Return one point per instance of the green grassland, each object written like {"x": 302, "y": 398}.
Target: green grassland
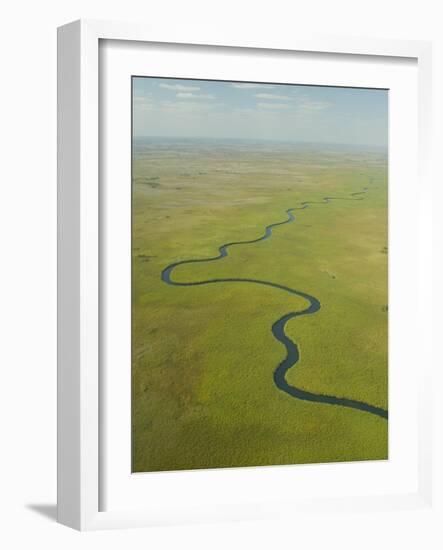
{"x": 203, "y": 357}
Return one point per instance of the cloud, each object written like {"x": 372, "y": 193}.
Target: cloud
{"x": 302, "y": 106}
{"x": 306, "y": 105}
{"x": 180, "y": 87}
{"x": 273, "y": 106}
{"x": 185, "y": 95}
{"x": 272, "y": 96}
{"x": 187, "y": 106}
{"x": 250, "y": 86}
{"x": 143, "y": 103}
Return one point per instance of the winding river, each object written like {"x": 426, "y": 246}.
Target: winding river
{"x": 278, "y": 328}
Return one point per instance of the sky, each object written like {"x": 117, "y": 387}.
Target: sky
{"x": 164, "y": 107}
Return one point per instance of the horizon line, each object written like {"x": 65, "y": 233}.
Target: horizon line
{"x": 264, "y": 140}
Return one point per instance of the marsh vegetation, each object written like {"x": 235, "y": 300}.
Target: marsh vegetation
{"x": 204, "y": 356}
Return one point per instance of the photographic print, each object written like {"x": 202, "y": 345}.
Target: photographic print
{"x": 259, "y": 274}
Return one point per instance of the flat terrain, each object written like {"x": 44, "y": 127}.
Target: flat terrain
{"x": 204, "y": 356}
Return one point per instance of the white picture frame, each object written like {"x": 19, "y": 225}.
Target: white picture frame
{"x": 79, "y": 204}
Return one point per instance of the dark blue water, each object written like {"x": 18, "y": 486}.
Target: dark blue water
{"x": 278, "y": 328}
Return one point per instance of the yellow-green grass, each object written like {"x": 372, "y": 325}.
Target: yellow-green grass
{"x": 204, "y": 356}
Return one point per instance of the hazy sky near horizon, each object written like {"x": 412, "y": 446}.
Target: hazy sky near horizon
{"x": 195, "y": 108}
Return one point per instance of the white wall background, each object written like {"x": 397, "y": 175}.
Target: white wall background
{"x": 28, "y": 273}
